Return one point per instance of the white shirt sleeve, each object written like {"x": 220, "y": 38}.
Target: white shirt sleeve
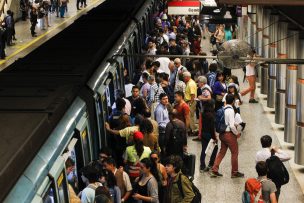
{"x": 284, "y": 156}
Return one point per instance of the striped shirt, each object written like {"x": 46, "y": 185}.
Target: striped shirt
{"x": 155, "y": 91}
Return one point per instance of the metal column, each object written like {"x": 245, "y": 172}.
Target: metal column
{"x": 265, "y": 50}
{"x": 259, "y": 38}
{"x": 272, "y": 72}
{"x": 281, "y": 74}
{"x": 291, "y": 85}
{"x": 299, "y": 142}
{"x": 253, "y": 27}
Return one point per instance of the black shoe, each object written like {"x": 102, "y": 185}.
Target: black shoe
{"x": 34, "y": 35}
{"x": 243, "y": 126}
{"x": 215, "y": 174}
{"x": 237, "y": 175}
{"x": 253, "y": 101}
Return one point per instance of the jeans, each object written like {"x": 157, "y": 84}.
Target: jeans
{"x": 62, "y": 11}
{"x": 203, "y": 155}
{"x": 228, "y": 140}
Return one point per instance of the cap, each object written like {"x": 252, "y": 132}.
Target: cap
{"x": 138, "y": 135}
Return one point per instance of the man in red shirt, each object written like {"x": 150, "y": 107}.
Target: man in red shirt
{"x": 182, "y": 108}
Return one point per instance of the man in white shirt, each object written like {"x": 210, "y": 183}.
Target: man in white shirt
{"x": 164, "y": 64}
{"x": 228, "y": 140}
{"x": 265, "y": 152}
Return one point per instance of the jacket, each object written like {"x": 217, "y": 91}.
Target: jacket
{"x": 174, "y": 195}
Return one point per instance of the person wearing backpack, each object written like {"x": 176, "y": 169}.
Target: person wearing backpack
{"x": 179, "y": 187}
{"x": 268, "y": 187}
{"x": 228, "y": 136}
{"x": 261, "y": 189}
{"x": 90, "y": 175}
{"x": 176, "y": 135}
{"x": 274, "y": 157}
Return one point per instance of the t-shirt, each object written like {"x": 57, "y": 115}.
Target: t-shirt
{"x": 183, "y": 110}
{"x": 88, "y": 193}
{"x": 191, "y": 88}
{"x": 268, "y": 187}
{"x": 128, "y": 131}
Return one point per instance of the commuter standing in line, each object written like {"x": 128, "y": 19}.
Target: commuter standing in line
{"x": 9, "y": 27}
{"x": 63, "y": 7}
{"x": 162, "y": 117}
{"x": 23, "y": 9}
{"x": 33, "y": 19}
{"x": 228, "y": 140}
{"x": 268, "y": 187}
{"x": 190, "y": 95}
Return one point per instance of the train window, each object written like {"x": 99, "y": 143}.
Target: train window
{"x": 62, "y": 188}
{"x": 49, "y": 196}
{"x": 83, "y": 133}
{"x": 72, "y": 165}
{"x": 102, "y": 116}
{"x": 57, "y": 174}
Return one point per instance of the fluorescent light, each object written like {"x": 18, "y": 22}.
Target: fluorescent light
{"x": 209, "y": 3}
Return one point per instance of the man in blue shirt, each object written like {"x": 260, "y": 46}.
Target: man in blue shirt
{"x": 161, "y": 116}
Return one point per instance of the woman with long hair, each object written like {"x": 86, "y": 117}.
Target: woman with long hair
{"x": 134, "y": 154}
{"x": 146, "y": 188}
{"x": 219, "y": 90}
{"x": 162, "y": 174}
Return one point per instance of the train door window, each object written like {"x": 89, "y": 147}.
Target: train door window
{"x": 73, "y": 164}
{"x": 57, "y": 173}
{"x": 103, "y": 114}
{"x": 126, "y": 61}
{"x": 83, "y": 134}
{"x": 46, "y": 193}
{"x": 110, "y": 88}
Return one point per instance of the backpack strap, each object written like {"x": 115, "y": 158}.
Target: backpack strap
{"x": 179, "y": 185}
{"x": 91, "y": 186}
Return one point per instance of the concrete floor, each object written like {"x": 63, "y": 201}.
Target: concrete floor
{"x": 259, "y": 122}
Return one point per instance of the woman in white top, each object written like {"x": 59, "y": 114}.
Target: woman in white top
{"x": 232, "y": 89}
{"x": 250, "y": 75}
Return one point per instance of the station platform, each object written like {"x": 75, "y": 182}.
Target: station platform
{"x": 25, "y": 43}
{"x": 260, "y": 121}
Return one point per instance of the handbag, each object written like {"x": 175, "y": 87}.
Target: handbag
{"x": 210, "y": 147}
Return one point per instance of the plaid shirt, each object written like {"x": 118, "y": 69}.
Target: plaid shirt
{"x": 155, "y": 91}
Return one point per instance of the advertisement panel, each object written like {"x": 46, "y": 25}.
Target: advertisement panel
{"x": 184, "y": 7}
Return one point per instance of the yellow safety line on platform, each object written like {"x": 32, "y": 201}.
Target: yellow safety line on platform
{"x": 22, "y": 47}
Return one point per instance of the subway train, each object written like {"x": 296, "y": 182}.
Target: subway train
{"x": 54, "y": 101}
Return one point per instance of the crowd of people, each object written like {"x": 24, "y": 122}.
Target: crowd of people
{"x": 34, "y": 10}
{"x": 169, "y": 100}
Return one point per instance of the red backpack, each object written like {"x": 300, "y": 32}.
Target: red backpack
{"x": 253, "y": 191}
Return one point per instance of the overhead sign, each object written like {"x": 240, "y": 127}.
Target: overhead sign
{"x": 184, "y": 7}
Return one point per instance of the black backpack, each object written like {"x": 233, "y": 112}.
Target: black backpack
{"x": 277, "y": 172}
{"x": 176, "y": 139}
{"x": 198, "y": 196}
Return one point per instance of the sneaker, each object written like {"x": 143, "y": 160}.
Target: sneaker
{"x": 215, "y": 174}
{"x": 253, "y": 101}
{"x": 237, "y": 175}
{"x": 197, "y": 139}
